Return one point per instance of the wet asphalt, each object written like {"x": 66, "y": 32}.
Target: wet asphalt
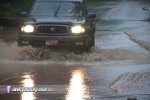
{"x": 116, "y": 66}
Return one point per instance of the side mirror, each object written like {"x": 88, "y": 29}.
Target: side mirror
{"x": 91, "y": 15}
{"x": 23, "y": 14}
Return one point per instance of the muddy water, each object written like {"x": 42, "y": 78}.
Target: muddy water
{"x": 10, "y": 52}
{"x": 110, "y": 46}
{"x": 116, "y": 65}
{"x": 132, "y": 82}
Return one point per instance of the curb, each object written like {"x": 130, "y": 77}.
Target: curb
{"x": 140, "y": 42}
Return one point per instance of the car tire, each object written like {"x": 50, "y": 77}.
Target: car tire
{"x": 19, "y": 44}
{"x": 87, "y": 46}
{"x": 92, "y": 40}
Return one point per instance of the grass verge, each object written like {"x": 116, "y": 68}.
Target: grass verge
{"x": 91, "y": 3}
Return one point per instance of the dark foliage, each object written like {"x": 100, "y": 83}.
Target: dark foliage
{"x": 10, "y": 8}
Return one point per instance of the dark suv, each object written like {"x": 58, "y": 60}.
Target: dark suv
{"x": 56, "y": 23}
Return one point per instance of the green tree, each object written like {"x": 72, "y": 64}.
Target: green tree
{"x": 9, "y": 8}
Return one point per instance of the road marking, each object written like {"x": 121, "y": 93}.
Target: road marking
{"x": 111, "y": 11}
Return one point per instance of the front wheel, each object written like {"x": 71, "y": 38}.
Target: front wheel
{"x": 19, "y": 44}
{"x": 87, "y": 46}
{"x": 92, "y": 40}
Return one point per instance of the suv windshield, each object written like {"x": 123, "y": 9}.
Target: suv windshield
{"x": 64, "y": 9}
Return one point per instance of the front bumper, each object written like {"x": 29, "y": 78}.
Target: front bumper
{"x": 62, "y": 40}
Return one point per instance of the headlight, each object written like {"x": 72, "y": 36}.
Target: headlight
{"x": 27, "y": 29}
{"x": 77, "y": 29}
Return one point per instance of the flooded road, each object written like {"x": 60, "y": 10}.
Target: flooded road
{"x": 116, "y": 66}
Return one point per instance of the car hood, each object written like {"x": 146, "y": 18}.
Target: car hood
{"x": 51, "y": 19}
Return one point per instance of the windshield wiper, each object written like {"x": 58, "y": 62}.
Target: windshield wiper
{"x": 57, "y": 10}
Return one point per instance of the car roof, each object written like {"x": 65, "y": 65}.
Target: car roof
{"x": 59, "y": 0}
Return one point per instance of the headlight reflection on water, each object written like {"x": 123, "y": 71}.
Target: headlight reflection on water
{"x": 77, "y": 89}
{"x": 27, "y": 82}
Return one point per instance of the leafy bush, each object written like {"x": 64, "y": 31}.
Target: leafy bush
{"x": 10, "y": 8}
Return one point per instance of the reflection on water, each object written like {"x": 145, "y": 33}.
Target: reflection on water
{"x": 27, "y": 82}
{"x": 77, "y": 89}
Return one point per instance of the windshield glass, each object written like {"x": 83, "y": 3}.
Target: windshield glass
{"x": 66, "y": 9}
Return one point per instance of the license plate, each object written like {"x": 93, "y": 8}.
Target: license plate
{"x": 51, "y": 42}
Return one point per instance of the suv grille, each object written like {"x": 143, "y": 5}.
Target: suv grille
{"x": 52, "y": 29}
